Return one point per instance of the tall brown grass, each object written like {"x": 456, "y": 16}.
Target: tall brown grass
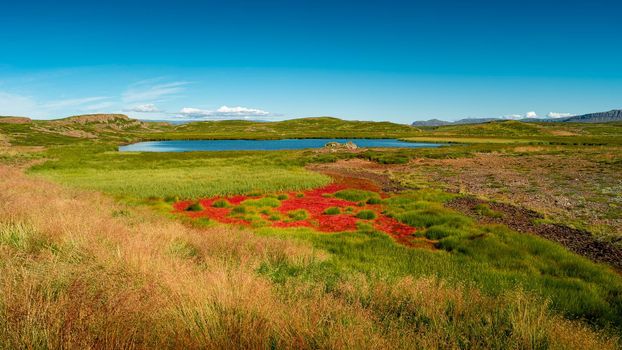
{"x": 78, "y": 270}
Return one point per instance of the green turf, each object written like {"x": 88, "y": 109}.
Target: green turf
{"x": 490, "y": 257}
{"x": 185, "y": 175}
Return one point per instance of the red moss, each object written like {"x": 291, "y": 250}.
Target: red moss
{"x": 236, "y": 200}
{"x": 315, "y": 202}
{"x": 336, "y": 223}
{"x": 390, "y": 225}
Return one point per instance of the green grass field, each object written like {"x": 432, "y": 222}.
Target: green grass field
{"x": 513, "y": 288}
{"x": 186, "y": 175}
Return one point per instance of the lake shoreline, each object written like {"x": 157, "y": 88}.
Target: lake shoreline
{"x": 265, "y": 145}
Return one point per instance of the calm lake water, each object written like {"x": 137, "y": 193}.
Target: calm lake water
{"x": 260, "y": 145}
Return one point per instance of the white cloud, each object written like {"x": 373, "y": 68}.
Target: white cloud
{"x": 559, "y": 115}
{"x": 145, "y": 108}
{"x": 73, "y": 102}
{"x": 224, "y": 112}
{"x": 18, "y": 105}
{"x": 531, "y": 114}
{"x": 195, "y": 112}
{"x": 144, "y": 92}
{"x": 513, "y": 116}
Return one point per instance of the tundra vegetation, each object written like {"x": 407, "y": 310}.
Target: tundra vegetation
{"x": 101, "y": 249}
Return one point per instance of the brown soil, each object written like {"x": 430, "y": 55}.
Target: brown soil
{"x": 562, "y": 133}
{"x": 582, "y": 188}
{"x": 94, "y": 118}
{"x": 360, "y": 171}
{"x": 525, "y": 221}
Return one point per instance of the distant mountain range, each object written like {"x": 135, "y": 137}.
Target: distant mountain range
{"x": 601, "y": 117}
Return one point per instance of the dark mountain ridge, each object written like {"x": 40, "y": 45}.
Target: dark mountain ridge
{"x": 614, "y": 115}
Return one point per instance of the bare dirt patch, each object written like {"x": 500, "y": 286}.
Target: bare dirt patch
{"x": 377, "y": 177}
{"x": 580, "y": 187}
{"x": 527, "y": 149}
{"x": 562, "y": 133}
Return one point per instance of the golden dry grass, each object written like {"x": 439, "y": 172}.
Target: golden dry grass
{"x": 80, "y": 271}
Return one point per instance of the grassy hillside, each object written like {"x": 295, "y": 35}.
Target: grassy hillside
{"x": 324, "y": 127}
{"x": 119, "y": 128}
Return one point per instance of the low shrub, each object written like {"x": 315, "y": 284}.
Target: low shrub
{"x": 196, "y": 206}
{"x": 221, "y": 203}
{"x": 171, "y": 199}
{"x": 355, "y": 195}
{"x": 298, "y": 215}
{"x": 374, "y": 200}
{"x": 366, "y": 215}
{"x": 430, "y": 217}
{"x": 239, "y": 210}
{"x": 332, "y": 211}
{"x": 282, "y": 197}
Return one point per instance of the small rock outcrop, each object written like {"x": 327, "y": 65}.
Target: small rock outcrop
{"x": 97, "y": 118}
{"x": 15, "y": 120}
{"x": 336, "y": 146}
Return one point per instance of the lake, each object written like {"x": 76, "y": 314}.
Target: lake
{"x": 262, "y": 145}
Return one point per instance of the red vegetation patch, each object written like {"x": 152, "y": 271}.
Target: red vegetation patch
{"x": 314, "y": 202}
{"x": 336, "y": 223}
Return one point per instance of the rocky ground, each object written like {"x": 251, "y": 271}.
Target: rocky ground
{"x": 533, "y": 194}
{"x": 581, "y": 190}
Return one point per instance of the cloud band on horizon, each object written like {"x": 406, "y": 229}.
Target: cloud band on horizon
{"x": 224, "y": 112}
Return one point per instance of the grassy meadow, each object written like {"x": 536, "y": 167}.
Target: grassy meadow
{"x": 92, "y": 257}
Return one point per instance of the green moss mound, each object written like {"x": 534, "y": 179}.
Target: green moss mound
{"x": 366, "y": 215}
{"x": 195, "y": 207}
{"x": 332, "y": 211}
{"x": 353, "y": 195}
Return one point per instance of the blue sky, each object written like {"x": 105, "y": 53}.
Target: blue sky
{"x": 371, "y": 60}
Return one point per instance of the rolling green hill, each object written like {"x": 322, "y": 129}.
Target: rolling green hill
{"x": 119, "y": 128}
{"x": 309, "y": 127}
